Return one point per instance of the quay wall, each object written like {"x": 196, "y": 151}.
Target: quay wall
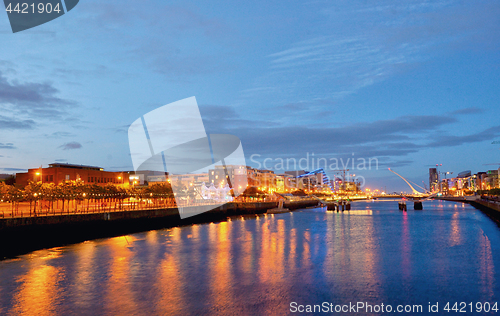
{"x": 490, "y": 208}
{"x": 22, "y": 235}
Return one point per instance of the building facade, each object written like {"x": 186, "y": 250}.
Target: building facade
{"x": 59, "y": 173}
{"x": 433, "y": 180}
{"x": 233, "y": 175}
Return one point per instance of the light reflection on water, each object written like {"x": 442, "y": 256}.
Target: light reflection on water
{"x": 255, "y": 265}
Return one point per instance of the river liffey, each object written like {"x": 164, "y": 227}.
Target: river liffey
{"x": 271, "y": 265}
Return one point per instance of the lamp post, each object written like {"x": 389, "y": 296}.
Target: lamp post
{"x": 40, "y": 175}
{"x": 445, "y": 177}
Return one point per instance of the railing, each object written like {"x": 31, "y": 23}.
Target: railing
{"x": 73, "y": 207}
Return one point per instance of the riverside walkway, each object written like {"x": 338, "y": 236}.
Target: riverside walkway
{"x": 45, "y": 208}
{"x": 20, "y": 234}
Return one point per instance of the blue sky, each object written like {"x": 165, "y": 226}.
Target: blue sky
{"x": 410, "y": 83}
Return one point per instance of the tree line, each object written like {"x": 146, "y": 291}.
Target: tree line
{"x": 73, "y": 194}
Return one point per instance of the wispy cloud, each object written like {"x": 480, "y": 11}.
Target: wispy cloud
{"x": 383, "y": 39}
{"x": 32, "y": 99}
{"x": 385, "y": 139}
{"x": 7, "y": 146}
{"x": 468, "y": 111}
{"x": 71, "y": 145}
{"x": 60, "y": 134}
{"x": 11, "y": 123}
{"x": 13, "y": 169}
{"x": 451, "y": 140}
{"x": 220, "y": 118}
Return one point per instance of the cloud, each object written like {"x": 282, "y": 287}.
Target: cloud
{"x": 395, "y": 164}
{"x": 11, "y": 123}
{"x": 363, "y": 43}
{"x": 305, "y": 106}
{"x": 218, "y": 112}
{"x": 223, "y": 118}
{"x": 32, "y": 98}
{"x": 59, "y": 135}
{"x": 383, "y": 139}
{"x": 122, "y": 129}
{"x": 192, "y": 44}
{"x": 7, "y": 146}
{"x": 13, "y": 169}
{"x": 468, "y": 111}
{"x": 71, "y": 145}
{"x": 451, "y": 140}
{"x": 401, "y": 130}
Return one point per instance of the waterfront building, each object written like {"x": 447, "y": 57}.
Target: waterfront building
{"x": 60, "y": 172}
{"x": 498, "y": 179}
{"x": 316, "y": 180}
{"x": 481, "y": 180}
{"x": 295, "y": 173}
{"x": 263, "y": 179}
{"x": 350, "y": 187}
{"x": 295, "y": 183}
{"x": 284, "y": 182}
{"x": 136, "y": 178}
{"x": 463, "y": 184}
{"x": 433, "y": 180}
{"x": 188, "y": 179}
{"x": 143, "y": 177}
{"x": 216, "y": 194}
{"x": 233, "y": 175}
{"x": 491, "y": 180}
{"x": 156, "y": 179}
{"x": 467, "y": 183}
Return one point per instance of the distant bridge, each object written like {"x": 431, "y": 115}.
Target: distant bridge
{"x": 417, "y": 196}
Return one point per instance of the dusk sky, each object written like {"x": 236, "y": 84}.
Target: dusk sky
{"x": 409, "y": 83}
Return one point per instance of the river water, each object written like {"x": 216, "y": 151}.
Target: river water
{"x": 257, "y": 265}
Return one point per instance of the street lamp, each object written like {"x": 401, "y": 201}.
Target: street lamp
{"x": 445, "y": 174}
{"x": 40, "y": 174}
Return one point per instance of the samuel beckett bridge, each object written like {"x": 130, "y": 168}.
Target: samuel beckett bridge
{"x": 417, "y": 197}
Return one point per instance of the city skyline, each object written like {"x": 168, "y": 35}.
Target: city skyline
{"x": 411, "y": 85}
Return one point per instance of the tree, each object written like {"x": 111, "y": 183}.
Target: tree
{"x": 4, "y": 194}
{"x": 11, "y": 180}
{"x": 32, "y": 193}
{"x": 14, "y": 195}
{"x": 48, "y": 191}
